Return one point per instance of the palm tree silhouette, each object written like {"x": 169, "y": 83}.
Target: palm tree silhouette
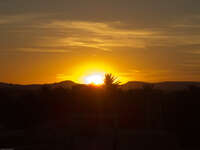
{"x": 110, "y": 80}
{"x": 111, "y": 84}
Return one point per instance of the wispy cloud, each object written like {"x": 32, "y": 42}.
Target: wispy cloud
{"x": 109, "y": 35}
{"x": 98, "y": 35}
{"x": 40, "y": 50}
{"x": 99, "y": 28}
{"x": 105, "y": 36}
{"x": 20, "y": 18}
{"x": 196, "y": 52}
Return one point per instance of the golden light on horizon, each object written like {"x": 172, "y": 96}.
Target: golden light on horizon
{"x": 95, "y": 79}
{"x": 91, "y": 73}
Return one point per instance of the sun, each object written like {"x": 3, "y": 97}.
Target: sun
{"x": 95, "y": 79}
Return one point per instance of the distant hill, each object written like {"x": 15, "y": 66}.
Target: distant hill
{"x": 134, "y": 85}
{"x": 165, "y": 86}
{"x": 173, "y": 86}
{"x": 8, "y": 85}
{"x": 64, "y": 84}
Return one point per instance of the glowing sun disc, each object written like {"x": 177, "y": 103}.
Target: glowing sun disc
{"x": 96, "y": 79}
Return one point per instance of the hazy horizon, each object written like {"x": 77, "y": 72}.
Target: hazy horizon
{"x": 57, "y": 82}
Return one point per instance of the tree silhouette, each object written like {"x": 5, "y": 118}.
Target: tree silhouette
{"x": 110, "y": 80}
{"x": 111, "y": 83}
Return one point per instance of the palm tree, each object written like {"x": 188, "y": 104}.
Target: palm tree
{"x": 110, "y": 80}
{"x": 111, "y": 83}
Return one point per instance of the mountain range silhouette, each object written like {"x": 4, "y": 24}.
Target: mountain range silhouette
{"x": 164, "y": 86}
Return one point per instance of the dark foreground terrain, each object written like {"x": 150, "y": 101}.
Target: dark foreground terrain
{"x": 105, "y": 118}
{"x": 78, "y": 140}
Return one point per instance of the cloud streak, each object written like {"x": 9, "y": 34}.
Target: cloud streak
{"x": 98, "y": 35}
{"x": 40, "y": 50}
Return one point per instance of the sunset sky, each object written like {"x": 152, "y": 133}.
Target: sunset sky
{"x": 45, "y": 41}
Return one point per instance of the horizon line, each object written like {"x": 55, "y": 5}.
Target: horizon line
{"x": 148, "y": 82}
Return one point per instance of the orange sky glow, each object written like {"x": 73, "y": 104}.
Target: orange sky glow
{"x": 138, "y": 40}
